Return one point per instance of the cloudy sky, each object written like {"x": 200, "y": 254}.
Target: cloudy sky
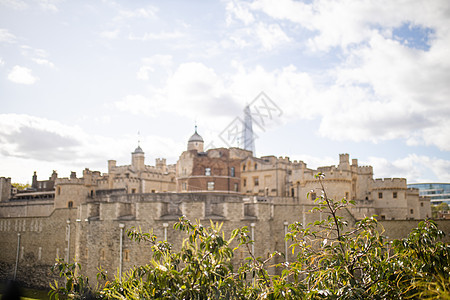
{"x": 80, "y": 79}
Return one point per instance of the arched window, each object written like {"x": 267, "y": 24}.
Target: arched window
{"x": 70, "y": 204}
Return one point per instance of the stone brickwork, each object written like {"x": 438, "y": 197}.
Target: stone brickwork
{"x": 40, "y": 239}
{"x": 95, "y": 228}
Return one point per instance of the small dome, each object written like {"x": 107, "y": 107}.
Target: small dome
{"x": 138, "y": 150}
{"x": 195, "y": 137}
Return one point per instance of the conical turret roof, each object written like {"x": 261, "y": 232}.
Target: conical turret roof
{"x": 195, "y": 137}
{"x": 138, "y": 150}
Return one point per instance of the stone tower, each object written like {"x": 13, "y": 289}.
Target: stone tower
{"x": 5, "y": 188}
{"x": 138, "y": 158}
{"x": 195, "y": 142}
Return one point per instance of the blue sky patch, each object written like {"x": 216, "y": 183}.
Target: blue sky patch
{"x": 414, "y": 36}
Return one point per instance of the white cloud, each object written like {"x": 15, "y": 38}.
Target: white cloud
{"x": 385, "y": 91}
{"x": 14, "y": 4}
{"x": 238, "y": 11}
{"x": 314, "y": 162}
{"x": 153, "y": 62}
{"x": 260, "y": 36}
{"x": 29, "y": 143}
{"x": 371, "y": 100}
{"x": 49, "y": 5}
{"x": 6, "y": 36}
{"x": 29, "y": 51}
{"x": 147, "y": 12}
{"x": 138, "y": 104}
{"x": 416, "y": 168}
{"x": 111, "y": 34}
{"x": 44, "y": 62}
{"x": 46, "y": 5}
{"x": 245, "y": 31}
{"x": 2, "y": 62}
{"x": 197, "y": 91}
{"x": 294, "y": 11}
{"x": 142, "y": 74}
{"x": 156, "y": 36}
{"x": 438, "y": 134}
{"x": 191, "y": 90}
{"x": 271, "y": 36}
{"x": 343, "y": 23}
{"x": 21, "y": 75}
{"x": 33, "y": 137}
{"x": 39, "y": 56}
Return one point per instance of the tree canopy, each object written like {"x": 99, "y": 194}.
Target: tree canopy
{"x": 20, "y": 186}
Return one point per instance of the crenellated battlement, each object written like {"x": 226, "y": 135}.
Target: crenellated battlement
{"x": 284, "y": 159}
{"x": 344, "y": 158}
{"x": 66, "y": 180}
{"x": 160, "y": 162}
{"x": 389, "y": 183}
{"x": 365, "y": 170}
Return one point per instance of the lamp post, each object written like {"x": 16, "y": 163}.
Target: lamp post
{"x": 252, "y": 225}
{"x": 17, "y": 255}
{"x": 285, "y": 241}
{"x": 68, "y": 241}
{"x": 121, "y": 226}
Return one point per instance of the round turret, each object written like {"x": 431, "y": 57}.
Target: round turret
{"x": 138, "y": 159}
{"x": 195, "y": 142}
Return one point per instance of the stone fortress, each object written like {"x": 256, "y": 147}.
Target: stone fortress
{"x": 86, "y": 218}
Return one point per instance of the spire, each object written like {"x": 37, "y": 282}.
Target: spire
{"x": 247, "y": 135}
{"x": 139, "y": 138}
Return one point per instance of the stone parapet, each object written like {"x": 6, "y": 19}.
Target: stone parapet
{"x": 69, "y": 181}
{"x": 389, "y": 183}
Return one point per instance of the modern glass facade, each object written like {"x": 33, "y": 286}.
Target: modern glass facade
{"x": 437, "y": 192}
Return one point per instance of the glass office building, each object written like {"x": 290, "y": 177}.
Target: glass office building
{"x": 437, "y": 192}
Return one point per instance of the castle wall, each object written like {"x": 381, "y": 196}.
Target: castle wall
{"x": 42, "y": 240}
{"x": 22, "y": 208}
{"x": 95, "y": 229}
